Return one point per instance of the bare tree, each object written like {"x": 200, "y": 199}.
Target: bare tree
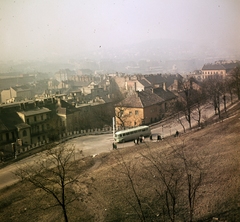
{"x": 178, "y": 115}
{"x": 125, "y": 116}
{"x": 229, "y": 84}
{"x": 163, "y": 169}
{"x": 53, "y": 174}
{"x": 214, "y": 91}
{"x": 127, "y": 172}
{"x": 119, "y": 113}
{"x": 180, "y": 174}
{"x": 200, "y": 98}
{"x": 193, "y": 173}
{"x": 186, "y": 104}
{"x": 235, "y": 76}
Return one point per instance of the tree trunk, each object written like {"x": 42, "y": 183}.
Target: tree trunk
{"x": 64, "y": 212}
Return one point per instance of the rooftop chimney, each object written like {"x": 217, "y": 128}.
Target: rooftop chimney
{"x": 164, "y": 86}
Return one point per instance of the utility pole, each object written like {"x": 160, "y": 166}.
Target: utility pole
{"x": 14, "y": 150}
{"x": 113, "y": 127}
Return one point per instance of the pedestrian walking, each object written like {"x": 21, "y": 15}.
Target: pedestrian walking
{"x": 114, "y": 146}
{"x": 138, "y": 140}
{"x": 177, "y": 134}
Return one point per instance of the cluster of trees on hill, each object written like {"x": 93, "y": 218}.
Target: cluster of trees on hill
{"x": 176, "y": 174}
{"x": 215, "y": 92}
{"x": 172, "y": 181}
{"x": 159, "y": 185}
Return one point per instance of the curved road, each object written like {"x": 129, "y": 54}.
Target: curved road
{"x": 90, "y": 145}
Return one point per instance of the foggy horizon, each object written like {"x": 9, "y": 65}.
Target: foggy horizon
{"x": 38, "y": 30}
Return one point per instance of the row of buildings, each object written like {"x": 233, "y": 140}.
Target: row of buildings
{"x": 31, "y": 119}
{"x": 218, "y": 70}
{"x": 43, "y": 111}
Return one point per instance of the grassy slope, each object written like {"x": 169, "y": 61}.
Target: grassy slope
{"x": 104, "y": 190}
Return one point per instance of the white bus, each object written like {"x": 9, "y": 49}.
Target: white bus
{"x": 132, "y": 134}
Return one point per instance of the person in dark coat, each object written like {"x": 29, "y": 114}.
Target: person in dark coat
{"x": 114, "y": 146}
{"x": 177, "y": 134}
{"x": 137, "y": 140}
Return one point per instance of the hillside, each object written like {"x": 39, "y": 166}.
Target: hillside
{"x": 128, "y": 184}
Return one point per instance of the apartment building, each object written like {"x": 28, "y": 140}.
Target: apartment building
{"x": 218, "y": 70}
{"x": 38, "y": 120}
{"x": 15, "y": 94}
{"x": 144, "y": 107}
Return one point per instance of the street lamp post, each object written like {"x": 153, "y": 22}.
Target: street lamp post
{"x": 113, "y": 127}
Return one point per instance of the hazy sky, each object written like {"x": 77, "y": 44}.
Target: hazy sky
{"x": 31, "y": 29}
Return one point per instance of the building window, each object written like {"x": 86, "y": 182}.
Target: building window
{"x": 27, "y": 121}
{"x": 24, "y": 133}
{"x": 136, "y": 112}
{"x": 41, "y": 117}
{"x": 121, "y": 113}
{"x": 35, "y": 118}
{"x": 130, "y": 113}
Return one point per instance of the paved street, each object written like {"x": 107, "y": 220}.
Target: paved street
{"x": 90, "y": 145}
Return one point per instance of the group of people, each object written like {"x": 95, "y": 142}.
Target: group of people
{"x": 158, "y": 137}
{"x": 140, "y": 139}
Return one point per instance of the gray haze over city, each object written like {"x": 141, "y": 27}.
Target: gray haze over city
{"x": 118, "y": 30}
